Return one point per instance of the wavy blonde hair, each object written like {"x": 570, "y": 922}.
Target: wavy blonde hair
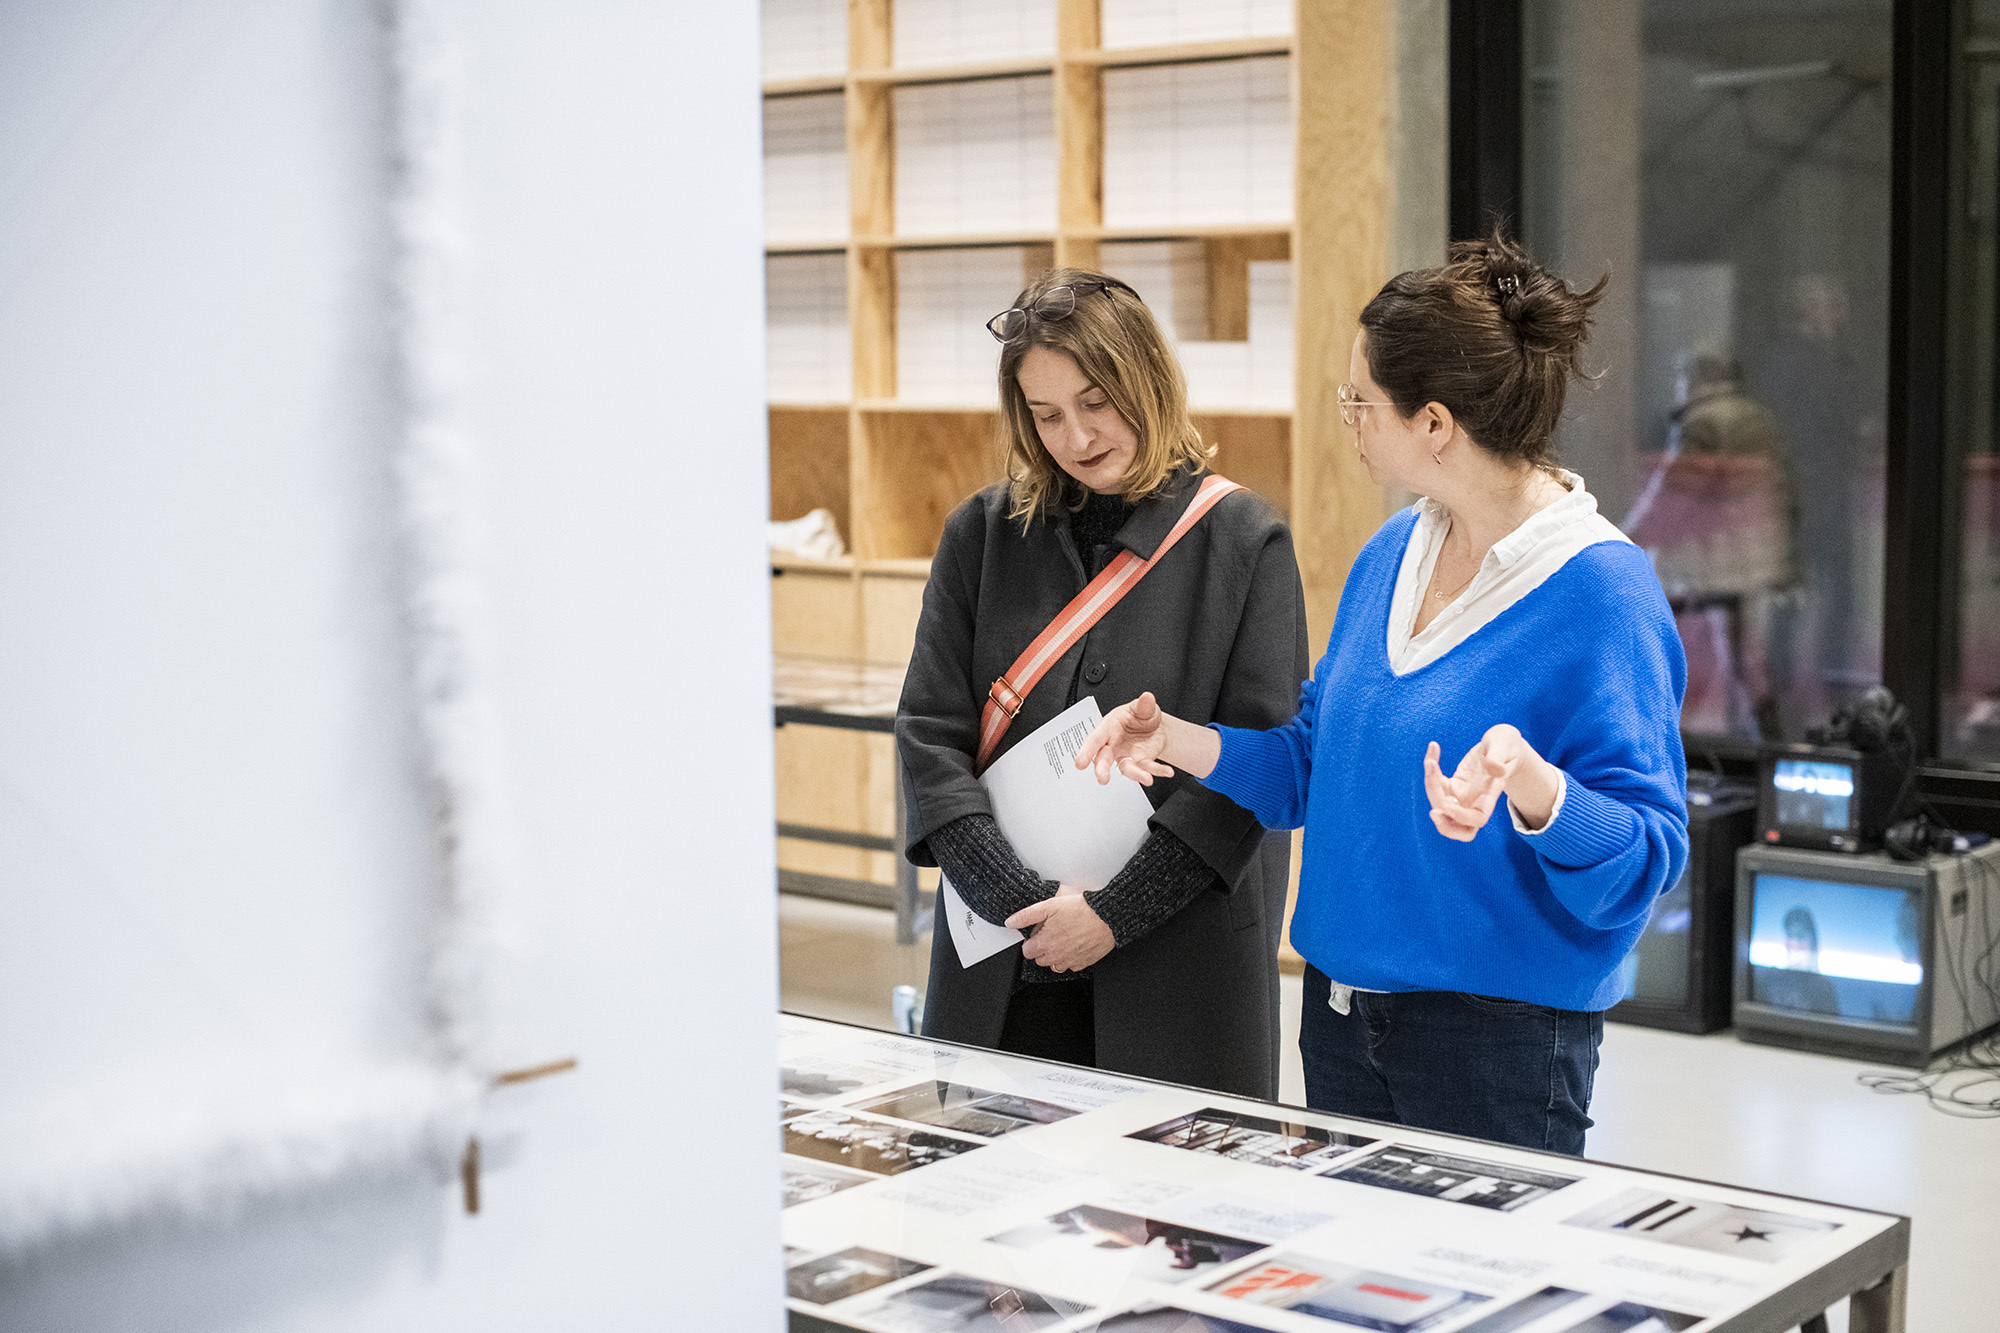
{"x": 1114, "y": 340}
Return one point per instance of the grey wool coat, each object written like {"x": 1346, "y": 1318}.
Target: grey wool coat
{"x": 1217, "y": 631}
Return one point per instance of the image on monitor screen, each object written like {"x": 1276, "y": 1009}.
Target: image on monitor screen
{"x": 1814, "y": 794}
{"x": 1843, "y": 950}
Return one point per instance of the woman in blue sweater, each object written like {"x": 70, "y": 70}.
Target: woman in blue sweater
{"x": 1460, "y": 962}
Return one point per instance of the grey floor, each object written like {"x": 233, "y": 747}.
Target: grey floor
{"x": 1708, "y": 1107}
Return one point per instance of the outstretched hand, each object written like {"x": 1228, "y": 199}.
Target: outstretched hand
{"x": 1132, "y": 737}
{"x": 1503, "y": 763}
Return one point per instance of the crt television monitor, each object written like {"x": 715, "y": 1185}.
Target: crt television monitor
{"x": 1678, "y": 974}
{"x": 1827, "y": 797}
{"x": 1864, "y": 956}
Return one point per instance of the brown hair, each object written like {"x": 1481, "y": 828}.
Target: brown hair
{"x": 1491, "y": 335}
{"x": 1118, "y": 346}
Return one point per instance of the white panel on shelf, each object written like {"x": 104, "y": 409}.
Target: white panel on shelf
{"x": 1171, "y": 277}
{"x": 929, "y": 33}
{"x": 1271, "y": 338}
{"x": 808, "y": 357}
{"x": 804, "y": 39}
{"x": 976, "y": 157}
{"x": 805, "y": 169}
{"x": 1130, "y": 23}
{"x": 943, "y": 299}
{"x": 1205, "y": 144}
{"x": 1255, "y": 373}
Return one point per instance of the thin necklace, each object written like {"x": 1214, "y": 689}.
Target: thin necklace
{"x": 1447, "y": 596}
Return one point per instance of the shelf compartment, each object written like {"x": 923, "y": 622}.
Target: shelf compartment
{"x": 912, "y": 468}
{"x": 810, "y": 464}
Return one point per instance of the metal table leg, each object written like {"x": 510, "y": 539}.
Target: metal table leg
{"x": 1880, "y": 1309}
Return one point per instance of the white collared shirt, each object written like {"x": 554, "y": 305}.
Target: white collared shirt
{"x": 1518, "y": 564}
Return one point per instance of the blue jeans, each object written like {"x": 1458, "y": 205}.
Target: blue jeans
{"x": 1465, "y": 1064}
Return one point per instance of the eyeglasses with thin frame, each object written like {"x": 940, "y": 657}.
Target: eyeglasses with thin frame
{"x": 1055, "y": 303}
{"x": 1350, "y": 400}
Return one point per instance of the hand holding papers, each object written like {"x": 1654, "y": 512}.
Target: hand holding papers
{"x": 1062, "y": 822}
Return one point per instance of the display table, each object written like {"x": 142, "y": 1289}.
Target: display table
{"x": 851, "y": 697}
{"x": 929, "y": 1186}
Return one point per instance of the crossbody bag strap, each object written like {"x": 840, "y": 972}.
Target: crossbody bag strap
{"x": 1008, "y": 693}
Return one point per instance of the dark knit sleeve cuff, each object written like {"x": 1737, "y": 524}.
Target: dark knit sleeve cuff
{"x": 1162, "y": 877}
{"x": 1590, "y": 829}
{"x": 981, "y": 864}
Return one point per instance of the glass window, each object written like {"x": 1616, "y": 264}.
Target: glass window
{"x": 1970, "y": 716}
{"x": 1728, "y": 163}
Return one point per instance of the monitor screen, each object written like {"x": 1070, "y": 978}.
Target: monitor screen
{"x": 1656, "y": 971}
{"x": 1843, "y": 950}
{"x": 1813, "y": 793}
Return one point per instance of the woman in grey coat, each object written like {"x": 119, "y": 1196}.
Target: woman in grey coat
{"x": 1170, "y": 970}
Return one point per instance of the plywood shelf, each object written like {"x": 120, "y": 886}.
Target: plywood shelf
{"x": 829, "y": 246}
{"x": 1181, "y": 53}
{"x": 825, "y": 83}
{"x": 1174, "y": 231}
{"x": 986, "y": 69}
{"x": 964, "y": 240}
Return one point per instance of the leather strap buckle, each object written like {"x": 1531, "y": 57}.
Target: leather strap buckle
{"x": 1004, "y": 698}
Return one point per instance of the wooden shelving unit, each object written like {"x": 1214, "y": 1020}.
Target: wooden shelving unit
{"x": 891, "y": 469}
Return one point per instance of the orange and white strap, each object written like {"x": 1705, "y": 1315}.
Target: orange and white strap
{"x": 1008, "y": 693}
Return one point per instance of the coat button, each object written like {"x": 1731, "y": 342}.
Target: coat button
{"x": 1094, "y": 673}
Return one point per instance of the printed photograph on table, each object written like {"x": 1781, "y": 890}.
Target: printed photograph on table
{"x": 1173, "y": 1319}
{"x": 1126, "y": 1246}
{"x": 1560, "y": 1310}
{"x": 835, "y": 1277}
{"x": 788, "y": 1110}
{"x": 967, "y": 1110}
{"x": 1703, "y": 1224}
{"x": 1344, "y": 1294}
{"x": 1249, "y": 1138}
{"x": 958, "y": 1303}
{"x": 806, "y": 1181}
{"x": 1494, "y": 1185}
{"x": 869, "y": 1145}
{"x": 829, "y": 1077}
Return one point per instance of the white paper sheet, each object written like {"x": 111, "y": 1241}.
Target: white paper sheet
{"x": 975, "y": 938}
{"x": 1060, "y": 822}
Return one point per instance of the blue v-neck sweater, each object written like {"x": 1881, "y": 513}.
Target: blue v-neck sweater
{"x": 1590, "y": 668}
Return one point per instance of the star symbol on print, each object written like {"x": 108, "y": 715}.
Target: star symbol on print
{"x": 1751, "y": 1233}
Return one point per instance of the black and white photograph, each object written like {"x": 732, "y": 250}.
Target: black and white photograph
{"x": 1466, "y": 1180}
{"x": 869, "y": 1145}
{"x": 1124, "y": 1246}
{"x": 1703, "y": 1224}
{"x": 1561, "y": 1310}
{"x": 958, "y": 1303}
{"x": 806, "y": 1181}
{"x": 1172, "y": 1319}
{"x": 835, "y": 1277}
{"x": 967, "y": 1110}
{"x": 1345, "y": 1294}
{"x": 1249, "y": 1138}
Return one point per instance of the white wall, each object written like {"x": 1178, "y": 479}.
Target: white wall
{"x": 211, "y": 836}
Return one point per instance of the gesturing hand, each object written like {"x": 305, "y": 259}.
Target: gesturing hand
{"x": 1503, "y": 763}
{"x": 1066, "y": 934}
{"x": 1133, "y": 737}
